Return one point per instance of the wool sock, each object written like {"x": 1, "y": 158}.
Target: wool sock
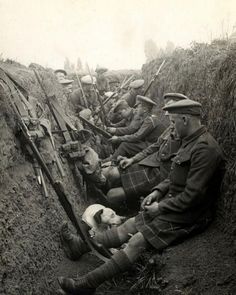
{"x": 118, "y": 263}
{"x": 109, "y": 238}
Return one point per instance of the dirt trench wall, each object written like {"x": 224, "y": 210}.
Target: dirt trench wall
{"x": 206, "y": 73}
{"x": 29, "y": 223}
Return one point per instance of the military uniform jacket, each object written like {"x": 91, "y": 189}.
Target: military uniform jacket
{"x": 160, "y": 153}
{"x": 130, "y": 125}
{"x": 149, "y": 131}
{"x": 191, "y": 188}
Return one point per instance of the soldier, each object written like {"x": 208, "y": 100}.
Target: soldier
{"x": 90, "y": 100}
{"x": 102, "y": 82}
{"x": 147, "y": 134}
{"x": 130, "y": 120}
{"x": 178, "y": 207}
{"x": 136, "y": 88}
{"x": 60, "y": 74}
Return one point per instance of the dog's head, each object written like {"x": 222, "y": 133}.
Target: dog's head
{"x": 108, "y": 216}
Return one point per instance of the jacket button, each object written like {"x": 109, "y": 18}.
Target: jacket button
{"x": 163, "y": 155}
{"x": 170, "y": 195}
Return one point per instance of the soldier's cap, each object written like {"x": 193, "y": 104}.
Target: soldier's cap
{"x": 121, "y": 104}
{"x": 110, "y": 93}
{"x": 144, "y": 100}
{"x": 101, "y": 70}
{"x": 60, "y": 71}
{"x": 175, "y": 96}
{"x": 185, "y": 107}
{"x": 65, "y": 81}
{"x": 88, "y": 80}
{"x": 136, "y": 84}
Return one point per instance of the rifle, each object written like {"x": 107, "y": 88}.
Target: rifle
{"x": 97, "y": 249}
{"x": 103, "y": 117}
{"x": 123, "y": 84}
{"x": 154, "y": 77}
{"x": 95, "y": 128}
{"x": 82, "y": 90}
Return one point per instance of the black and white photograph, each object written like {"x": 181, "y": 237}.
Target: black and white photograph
{"x": 117, "y": 147}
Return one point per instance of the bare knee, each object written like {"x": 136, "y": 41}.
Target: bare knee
{"x": 116, "y": 196}
{"x": 129, "y": 226}
{"x": 136, "y": 245}
{"x": 137, "y": 241}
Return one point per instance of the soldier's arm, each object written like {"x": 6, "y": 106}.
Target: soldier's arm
{"x": 204, "y": 162}
{"x": 133, "y": 127}
{"x": 145, "y": 129}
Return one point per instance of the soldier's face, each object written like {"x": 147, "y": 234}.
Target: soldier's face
{"x": 180, "y": 123}
{"x": 123, "y": 113}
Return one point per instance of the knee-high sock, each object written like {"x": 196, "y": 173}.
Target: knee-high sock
{"x": 118, "y": 263}
{"x": 109, "y": 238}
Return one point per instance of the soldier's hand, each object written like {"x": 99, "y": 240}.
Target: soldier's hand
{"x": 111, "y": 130}
{"x": 124, "y": 163}
{"x": 152, "y": 197}
{"x": 114, "y": 139}
{"x": 152, "y": 209}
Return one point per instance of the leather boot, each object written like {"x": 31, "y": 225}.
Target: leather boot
{"x": 73, "y": 246}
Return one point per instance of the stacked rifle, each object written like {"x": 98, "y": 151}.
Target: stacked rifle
{"x": 15, "y": 91}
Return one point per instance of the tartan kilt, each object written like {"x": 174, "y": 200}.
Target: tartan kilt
{"x": 160, "y": 234}
{"x": 138, "y": 180}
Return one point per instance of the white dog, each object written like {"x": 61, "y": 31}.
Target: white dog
{"x": 99, "y": 217}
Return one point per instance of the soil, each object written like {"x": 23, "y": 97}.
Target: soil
{"x": 31, "y": 257}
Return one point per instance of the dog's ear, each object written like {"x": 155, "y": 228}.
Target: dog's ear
{"x": 97, "y": 216}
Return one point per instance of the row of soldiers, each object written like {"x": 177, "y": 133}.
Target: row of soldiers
{"x": 177, "y": 168}
{"x": 178, "y": 171}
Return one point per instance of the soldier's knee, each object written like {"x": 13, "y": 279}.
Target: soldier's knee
{"x": 137, "y": 241}
{"x": 116, "y": 196}
{"x": 114, "y": 173}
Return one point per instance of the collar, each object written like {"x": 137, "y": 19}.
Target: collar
{"x": 193, "y": 136}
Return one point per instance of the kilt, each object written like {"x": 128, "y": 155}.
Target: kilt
{"x": 138, "y": 180}
{"x": 160, "y": 234}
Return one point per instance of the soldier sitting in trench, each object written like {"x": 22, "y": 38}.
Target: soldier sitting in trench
{"x": 130, "y": 120}
{"x": 150, "y": 129}
{"x": 136, "y": 88}
{"x": 178, "y": 207}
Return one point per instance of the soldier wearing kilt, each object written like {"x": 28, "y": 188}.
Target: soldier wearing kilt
{"x": 180, "y": 205}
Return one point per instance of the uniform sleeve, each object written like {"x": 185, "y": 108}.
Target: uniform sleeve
{"x": 204, "y": 162}
{"x": 154, "y": 148}
{"x": 132, "y": 128}
{"x": 145, "y": 129}
{"x": 162, "y": 187}
{"x": 119, "y": 124}
{"x": 151, "y": 149}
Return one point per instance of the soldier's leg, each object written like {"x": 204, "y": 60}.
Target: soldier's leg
{"x": 129, "y": 149}
{"x": 74, "y": 246}
{"x": 116, "y": 196}
{"x": 118, "y": 263}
